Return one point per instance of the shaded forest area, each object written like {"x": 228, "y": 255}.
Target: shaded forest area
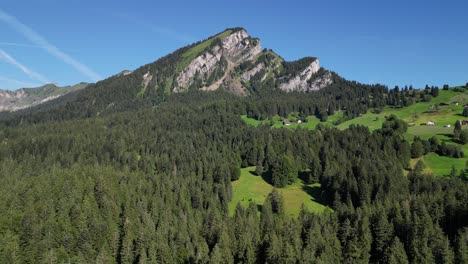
{"x": 152, "y": 185}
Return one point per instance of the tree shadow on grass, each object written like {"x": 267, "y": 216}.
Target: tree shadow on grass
{"x": 260, "y": 207}
{"x": 452, "y": 139}
{"x": 267, "y": 176}
{"x": 318, "y": 194}
{"x": 304, "y": 176}
{"x": 447, "y": 135}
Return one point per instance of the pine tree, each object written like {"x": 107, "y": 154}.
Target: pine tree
{"x": 216, "y": 256}
{"x": 382, "y": 233}
{"x": 315, "y": 170}
{"x": 259, "y": 169}
{"x": 461, "y": 246}
{"x": 440, "y": 247}
{"x": 465, "y": 112}
{"x": 273, "y": 250}
{"x": 464, "y": 136}
{"x": 417, "y": 149}
{"x": 457, "y": 130}
{"x": 10, "y": 249}
{"x": 396, "y": 253}
{"x": 284, "y": 172}
{"x": 275, "y": 199}
{"x": 422, "y": 227}
{"x": 453, "y": 172}
{"x": 364, "y": 235}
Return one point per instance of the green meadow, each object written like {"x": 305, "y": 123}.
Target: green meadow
{"x": 415, "y": 115}
{"x": 252, "y": 188}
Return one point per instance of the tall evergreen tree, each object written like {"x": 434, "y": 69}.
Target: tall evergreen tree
{"x": 457, "y": 130}
{"x": 395, "y": 254}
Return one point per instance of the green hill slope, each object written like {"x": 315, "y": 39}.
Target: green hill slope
{"x": 443, "y": 111}
{"x": 251, "y": 188}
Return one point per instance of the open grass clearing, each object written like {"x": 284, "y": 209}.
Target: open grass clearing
{"x": 252, "y": 188}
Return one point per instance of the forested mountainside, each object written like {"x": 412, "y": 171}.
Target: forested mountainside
{"x": 153, "y": 185}
{"x": 138, "y": 169}
{"x": 28, "y": 97}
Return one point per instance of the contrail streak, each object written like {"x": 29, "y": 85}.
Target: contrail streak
{"x": 39, "y": 40}
{"x": 34, "y": 75}
{"x": 19, "y": 45}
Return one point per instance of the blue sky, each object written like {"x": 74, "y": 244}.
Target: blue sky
{"x": 390, "y": 42}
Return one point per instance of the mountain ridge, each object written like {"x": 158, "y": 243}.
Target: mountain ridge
{"x": 14, "y": 100}
{"x": 231, "y": 60}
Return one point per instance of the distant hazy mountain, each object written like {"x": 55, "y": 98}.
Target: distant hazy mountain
{"x": 27, "y": 97}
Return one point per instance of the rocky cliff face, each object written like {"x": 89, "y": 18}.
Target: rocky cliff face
{"x": 233, "y": 60}
{"x": 320, "y": 82}
{"x": 239, "y": 47}
{"x": 203, "y": 65}
{"x": 230, "y": 51}
{"x": 8, "y": 99}
{"x": 27, "y": 97}
{"x": 250, "y": 73}
{"x": 303, "y": 81}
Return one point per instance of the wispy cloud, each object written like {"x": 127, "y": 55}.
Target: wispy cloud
{"x": 184, "y": 38}
{"x": 39, "y": 40}
{"x": 33, "y": 75}
{"x": 23, "y": 84}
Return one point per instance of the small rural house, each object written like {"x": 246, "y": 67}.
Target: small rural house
{"x": 430, "y": 123}
{"x": 286, "y": 123}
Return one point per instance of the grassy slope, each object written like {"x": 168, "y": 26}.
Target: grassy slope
{"x": 192, "y": 53}
{"x": 442, "y": 165}
{"x": 311, "y": 123}
{"x": 418, "y": 113}
{"x": 414, "y": 115}
{"x": 253, "y": 188}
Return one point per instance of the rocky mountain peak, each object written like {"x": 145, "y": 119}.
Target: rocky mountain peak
{"x": 27, "y": 97}
{"x": 233, "y": 60}
{"x": 213, "y": 66}
{"x": 234, "y": 39}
